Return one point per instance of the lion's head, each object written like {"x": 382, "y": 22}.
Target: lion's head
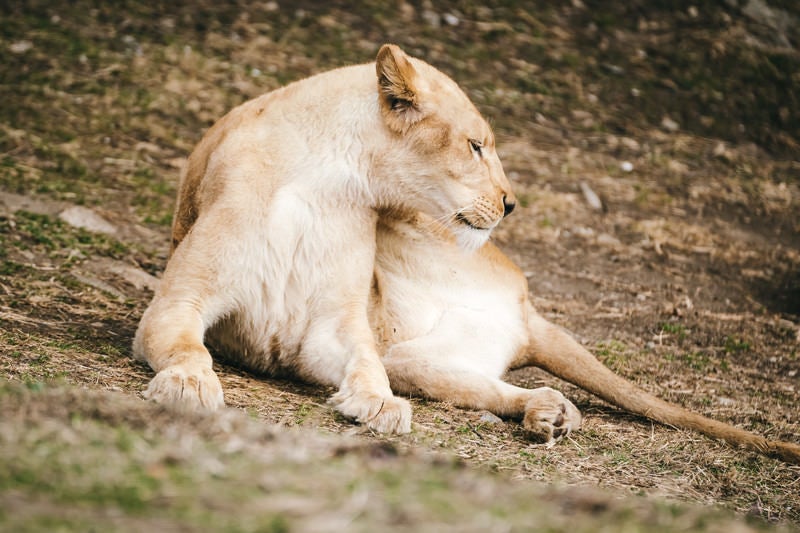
{"x": 444, "y": 163}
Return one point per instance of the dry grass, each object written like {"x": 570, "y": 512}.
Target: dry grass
{"x": 686, "y": 282}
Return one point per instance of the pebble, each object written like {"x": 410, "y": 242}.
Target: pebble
{"x": 591, "y": 197}
{"x": 133, "y": 275}
{"x": 450, "y": 19}
{"x": 630, "y": 144}
{"x": 85, "y": 218}
{"x": 606, "y": 239}
{"x": 490, "y": 418}
{"x": 669, "y": 124}
{"x": 20, "y": 47}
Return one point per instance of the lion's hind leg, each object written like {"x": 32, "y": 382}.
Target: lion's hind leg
{"x": 418, "y": 367}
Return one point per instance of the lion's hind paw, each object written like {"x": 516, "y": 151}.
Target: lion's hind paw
{"x": 549, "y": 416}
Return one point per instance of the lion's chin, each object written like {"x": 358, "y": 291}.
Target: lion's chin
{"x": 471, "y": 239}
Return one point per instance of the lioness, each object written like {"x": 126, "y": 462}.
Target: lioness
{"x": 338, "y": 228}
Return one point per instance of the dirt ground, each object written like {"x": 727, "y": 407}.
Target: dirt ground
{"x": 653, "y": 147}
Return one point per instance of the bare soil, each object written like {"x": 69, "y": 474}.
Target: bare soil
{"x": 682, "y": 118}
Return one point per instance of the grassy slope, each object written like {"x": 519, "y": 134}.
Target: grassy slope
{"x": 80, "y": 460}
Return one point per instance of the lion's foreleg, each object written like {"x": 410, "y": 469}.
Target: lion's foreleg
{"x": 340, "y": 350}
{"x": 191, "y": 297}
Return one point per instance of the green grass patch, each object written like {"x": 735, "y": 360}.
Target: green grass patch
{"x": 612, "y": 353}
{"x": 57, "y": 239}
{"x": 675, "y": 329}
{"x": 736, "y": 345}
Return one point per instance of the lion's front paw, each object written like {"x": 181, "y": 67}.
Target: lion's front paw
{"x": 385, "y": 414}
{"x": 187, "y": 386}
{"x": 549, "y": 416}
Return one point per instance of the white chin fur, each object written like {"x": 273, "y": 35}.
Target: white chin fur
{"x": 470, "y": 239}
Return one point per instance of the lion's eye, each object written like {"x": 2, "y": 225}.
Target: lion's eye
{"x": 476, "y": 146}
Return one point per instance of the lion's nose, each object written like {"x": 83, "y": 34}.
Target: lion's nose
{"x": 508, "y": 206}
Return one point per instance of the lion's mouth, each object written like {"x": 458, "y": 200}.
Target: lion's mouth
{"x": 464, "y": 220}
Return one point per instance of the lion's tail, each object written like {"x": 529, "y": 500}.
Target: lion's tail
{"x": 554, "y": 350}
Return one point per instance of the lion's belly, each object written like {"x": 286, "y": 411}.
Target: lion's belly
{"x": 258, "y": 339}
{"x": 474, "y": 326}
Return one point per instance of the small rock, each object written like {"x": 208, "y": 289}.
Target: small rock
{"x": 83, "y": 217}
{"x": 490, "y": 418}
{"x": 630, "y": 144}
{"x": 133, "y": 275}
{"x": 450, "y": 19}
{"x": 591, "y": 197}
{"x": 626, "y": 166}
{"x": 614, "y": 69}
{"x": 604, "y": 239}
{"x": 721, "y": 151}
{"x": 580, "y": 114}
{"x": 669, "y": 124}
{"x": 20, "y": 47}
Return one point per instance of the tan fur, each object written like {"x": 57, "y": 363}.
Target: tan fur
{"x": 337, "y": 229}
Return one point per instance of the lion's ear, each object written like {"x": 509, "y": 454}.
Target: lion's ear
{"x": 398, "y": 86}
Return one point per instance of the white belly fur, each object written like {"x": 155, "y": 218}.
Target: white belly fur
{"x": 430, "y": 287}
